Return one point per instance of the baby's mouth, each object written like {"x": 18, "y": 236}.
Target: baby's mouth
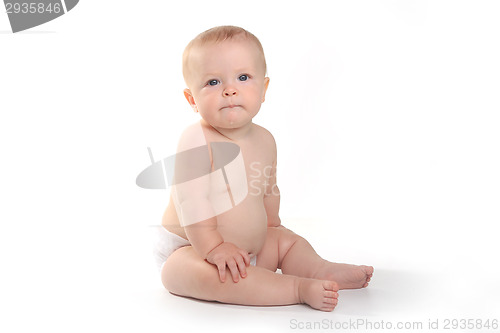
{"x": 231, "y": 106}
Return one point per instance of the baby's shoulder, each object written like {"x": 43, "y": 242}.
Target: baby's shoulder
{"x": 191, "y": 137}
{"x": 265, "y": 135}
{"x": 265, "y": 141}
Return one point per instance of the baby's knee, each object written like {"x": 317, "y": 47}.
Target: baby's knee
{"x": 286, "y": 240}
{"x": 287, "y": 236}
{"x": 280, "y": 233}
{"x": 168, "y": 272}
{"x": 174, "y": 270}
{"x": 185, "y": 272}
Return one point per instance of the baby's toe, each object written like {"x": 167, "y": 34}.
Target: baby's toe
{"x": 327, "y": 308}
{"x": 330, "y": 294}
{"x": 329, "y": 304}
{"x": 330, "y": 301}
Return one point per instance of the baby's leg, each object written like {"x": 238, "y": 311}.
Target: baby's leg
{"x": 186, "y": 274}
{"x": 295, "y": 256}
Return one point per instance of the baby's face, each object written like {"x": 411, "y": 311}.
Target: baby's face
{"x": 227, "y": 83}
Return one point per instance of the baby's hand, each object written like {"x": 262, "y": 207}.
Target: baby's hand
{"x": 228, "y": 254}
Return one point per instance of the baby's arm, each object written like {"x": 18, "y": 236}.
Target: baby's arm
{"x": 199, "y": 220}
{"x": 195, "y": 210}
{"x": 272, "y": 194}
{"x": 272, "y": 202}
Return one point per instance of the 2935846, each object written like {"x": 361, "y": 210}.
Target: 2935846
{"x": 32, "y": 8}
{"x": 470, "y": 324}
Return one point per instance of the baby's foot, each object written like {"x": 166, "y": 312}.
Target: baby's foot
{"x": 347, "y": 276}
{"x": 320, "y": 295}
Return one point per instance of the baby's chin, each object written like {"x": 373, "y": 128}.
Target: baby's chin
{"x": 234, "y": 121}
{"x": 231, "y": 125}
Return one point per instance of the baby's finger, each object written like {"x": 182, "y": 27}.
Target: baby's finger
{"x": 246, "y": 257}
{"x": 242, "y": 267}
{"x": 234, "y": 270}
{"x": 222, "y": 271}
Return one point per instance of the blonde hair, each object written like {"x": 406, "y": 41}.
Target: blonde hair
{"x": 217, "y": 35}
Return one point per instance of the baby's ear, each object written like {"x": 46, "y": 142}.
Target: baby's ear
{"x": 266, "y": 84}
{"x": 190, "y": 99}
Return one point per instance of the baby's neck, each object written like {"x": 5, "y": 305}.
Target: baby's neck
{"x": 233, "y": 134}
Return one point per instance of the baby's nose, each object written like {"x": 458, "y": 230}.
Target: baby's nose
{"x": 230, "y": 91}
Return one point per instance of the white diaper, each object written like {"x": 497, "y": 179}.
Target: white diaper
{"x": 166, "y": 244}
{"x": 169, "y": 242}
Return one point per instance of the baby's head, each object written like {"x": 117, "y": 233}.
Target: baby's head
{"x": 217, "y": 35}
{"x": 224, "y": 69}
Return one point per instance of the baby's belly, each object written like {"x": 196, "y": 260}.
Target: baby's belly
{"x": 245, "y": 225}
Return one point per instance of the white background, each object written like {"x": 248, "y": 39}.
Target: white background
{"x": 386, "y": 116}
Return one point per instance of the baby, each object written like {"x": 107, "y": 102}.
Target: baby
{"x": 221, "y": 236}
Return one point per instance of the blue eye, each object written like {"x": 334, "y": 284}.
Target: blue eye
{"x": 243, "y": 77}
{"x": 213, "y": 82}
